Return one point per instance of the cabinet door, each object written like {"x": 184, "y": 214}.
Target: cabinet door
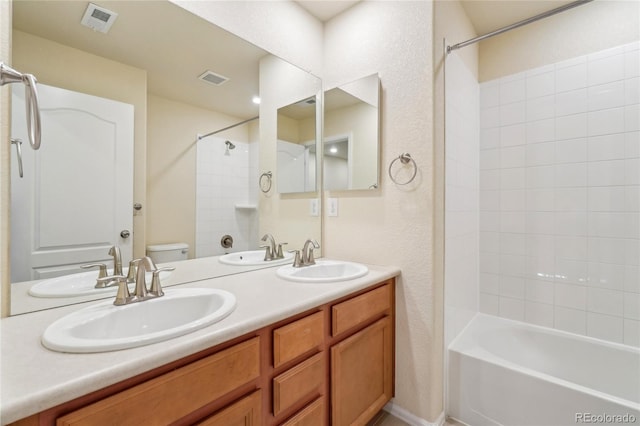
{"x": 246, "y": 412}
{"x": 362, "y": 374}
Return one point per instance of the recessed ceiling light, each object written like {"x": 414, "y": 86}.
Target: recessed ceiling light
{"x": 256, "y": 100}
{"x": 333, "y": 150}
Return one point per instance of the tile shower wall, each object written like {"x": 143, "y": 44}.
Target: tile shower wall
{"x": 462, "y": 196}
{"x": 559, "y": 195}
{"x": 226, "y": 196}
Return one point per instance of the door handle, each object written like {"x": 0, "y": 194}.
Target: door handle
{"x": 125, "y": 233}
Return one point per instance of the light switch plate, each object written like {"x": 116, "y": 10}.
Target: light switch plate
{"x": 332, "y": 207}
{"x": 314, "y": 209}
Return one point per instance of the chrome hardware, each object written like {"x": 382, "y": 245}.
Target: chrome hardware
{"x": 131, "y": 272}
{"x": 405, "y": 159}
{"x": 7, "y": 76}
{"x": 18, "y": 144}
{"x": 265, "y": 186}
{"x": 226, "y": 241}
{"x": 305, "y": 257}
{"x": 273, "y": 251}
{"x": 279, "y": 253}
{"x": 156, "y": 288}
{"x": 123, "y": 296}
{"x": 117, "y": 260}
{"x": 102, "y": 273}
{"x": 125, "y": 233}
{"x": 137, "y": 206}
{"x": 141, "y": 292}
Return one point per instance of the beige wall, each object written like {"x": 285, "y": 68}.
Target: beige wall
{"x": 61, "y": 66}
{"x": 5, "y": 147}
{"x": 394, "y": 224}
{"x": 171, "y": 166}
{"x": 588, "y": 28}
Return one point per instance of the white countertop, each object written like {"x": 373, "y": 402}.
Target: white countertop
{"x": 34, "y": 378}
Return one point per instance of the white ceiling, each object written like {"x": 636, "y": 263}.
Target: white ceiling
{"x": 324, "y": 10}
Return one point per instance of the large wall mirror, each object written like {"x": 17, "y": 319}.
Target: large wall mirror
{"x": 191, "y": 189}
{"x": 351, "y": 142}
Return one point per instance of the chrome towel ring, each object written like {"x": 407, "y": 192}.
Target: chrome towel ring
{"x": 405, "y": 158}
{"x": 265, "y": 182}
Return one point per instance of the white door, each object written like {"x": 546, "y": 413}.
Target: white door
{"x": 76, "y": 195}
{"x": 291, "y": 167}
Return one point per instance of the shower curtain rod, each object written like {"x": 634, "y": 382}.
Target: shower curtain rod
{"x": 228, "y": 127}
{"x": 518, "y": 24}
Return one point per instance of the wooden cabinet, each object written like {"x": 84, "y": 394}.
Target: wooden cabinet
{"x": 330, "y": 365}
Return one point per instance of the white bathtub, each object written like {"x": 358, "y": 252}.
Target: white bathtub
{"x": 504, "y": 372}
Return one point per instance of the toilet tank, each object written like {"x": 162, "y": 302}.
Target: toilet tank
{"x": 161, "y": 253}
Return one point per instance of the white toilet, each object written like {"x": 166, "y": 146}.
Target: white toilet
{"x": 162, "y": 253}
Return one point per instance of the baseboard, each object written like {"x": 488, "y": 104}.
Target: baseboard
{"x": 410, "y": 418}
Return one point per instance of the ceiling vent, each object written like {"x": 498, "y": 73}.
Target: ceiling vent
{"x": 213, "y": 78}
{"x": 98, "y": 18}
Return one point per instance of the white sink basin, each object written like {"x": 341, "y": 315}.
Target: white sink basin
{"x": 324, "y": 271}
{"x": 253, "y": 258}
{"x": 106, "y": 327}
{"x": 82, "y": 284}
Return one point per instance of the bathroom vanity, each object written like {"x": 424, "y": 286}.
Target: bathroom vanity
{"x": 291, "y": 353}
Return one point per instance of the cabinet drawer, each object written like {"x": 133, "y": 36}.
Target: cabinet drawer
{"x": 297, "y": 383}
{"x": 297, "y": 338}
{"x": 355, "y": 311}
{"x": 311, "y": 415}
{"x": 171, "y": 396}
{"x": 246, "y": 412}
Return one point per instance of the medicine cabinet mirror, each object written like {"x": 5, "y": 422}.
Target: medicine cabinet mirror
{"x": 351, "y": 141}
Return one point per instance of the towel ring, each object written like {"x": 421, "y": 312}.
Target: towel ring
{"x": 405, "y": 158}
{"x": 265, "y": 187}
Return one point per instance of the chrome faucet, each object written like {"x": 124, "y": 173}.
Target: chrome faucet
{"x": 273, "y": 251}
{"x": 117, "y": 260}
{"x": 305, "y": 257}
{"x": 141, "y": 292}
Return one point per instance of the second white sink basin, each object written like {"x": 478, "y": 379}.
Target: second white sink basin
{"x": 106, "y": 327}
{"x": 324, "y": 271}
{"x": 82, "y": 284}
{"x": 253, "y": 258}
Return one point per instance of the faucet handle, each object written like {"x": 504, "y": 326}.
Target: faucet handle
{"x": 123, "y": 296}
{"x": 144, "y": 264}
{"x": 102, "y": 273}
{"x": 279, "y": 253}
{"x": 267, "y": 253}
{"x": 297, "y": 259}
{"x": 131, "y": 272}
{"x": 156, "y": 288}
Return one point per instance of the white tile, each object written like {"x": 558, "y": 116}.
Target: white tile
{"x": 606, "y": 121}
{"x": 541, "y": 268}
{"x": 540, "y": 154}
{"x": 489, "y": 159}
{"x": 606, "y": 70}
{"x": 512, "y": 91}
{"x": 538, "y": 313}
{"x": 541, "y": 131}
{"x": 572, "y": 224}
{"x": 632, "y": 118}
{"x": 571, "y": 320}
{"x": 513, "y": 222}
{"x": 632, "y": 198}
{"x": 609, "y": 95}
{"x": 605, "y": 53}
{"x": 571, "y": 62}
{"x": 489, "y": 179}
{"x": 511, "y": 157}
{"x": 512, "y": 286}
{"x": 489, "y": 283}
{"x": 570, "y": 199}
{"x": 607, "y": 250}
{"x": 571, "y": 271}
{"x": 571, "y": 126}
{"x": 540, "y": 108}
{"x": 571, "y": 78}
{"x": 540, "y": 223}
{"x": 606, "y": 173}
{"x": 605, "y": 327}
{"x": 605, "y": 301}
{"x": 490, "y": 138}
{"x": 632, "y": 147}
{"x": 490, "y": 242}
{"x": 512, "y": 308}
{"x": 513, "y": 200}
{"x": 570, "y": 296}
{"x": 607, "y": 147}
{"x": 512, "y": 178}
{"x": 540, "y": 70}
{"x": 540, "y": 84}
{"x": 539, "y": 291}
{"x": 572, "y": 102}
{"x": 489, "y": 304}
{"x": 614, "y": 225}
{"x": 512, "y": 135}
{"x": 632, "y": 251}
{"x": 540, "y": 200}
{"x": 571, "y": 175}
{"x": 571, "y": 151}
{"x": 490, "y": 200}
{"x": 631, "y": 332}
{"x": 632, "y": 91}
{"x": 490, "y": 117}
{"x": 607, "y": 275}
{"x": 607, "y": 199}
{"x": 632, "y": 64}
{"x": 632, "y": 278}
{"x": 540, "y": 177}
{"x": 571, "y": 247}
{"x": 515, "y": 244}
{"x": 489, "y": 95}
{"x": 632, "y": 306}
{"x": 513, "y": 113}
{"x": 540, "y": 245}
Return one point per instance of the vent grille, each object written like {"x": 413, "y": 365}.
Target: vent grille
{"x": 213, "y": 78}
{"x": 98, "y": 18}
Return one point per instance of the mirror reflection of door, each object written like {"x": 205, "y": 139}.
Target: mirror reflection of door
{"x": 87, "y": 148}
